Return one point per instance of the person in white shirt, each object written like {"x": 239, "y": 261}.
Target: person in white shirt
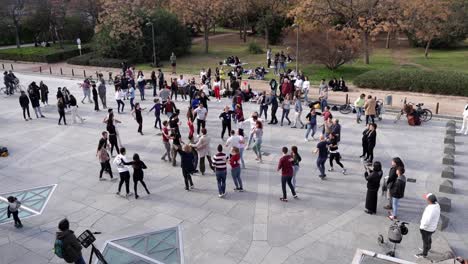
{"x": 298, "y": 83}
{"x": 202, "y": 73}
{"x": 182, "y": 84}
{"x": 306, "y": 88}
{"x": 233, "y": 141}
{"x": 119, "y": 96}
{"x": 465, "y": 121}
{"x": 201, "y": 114}
{"x": 123, "y": 171}
{"x": 429, "y": 221}
{"x": 253, "y": 122}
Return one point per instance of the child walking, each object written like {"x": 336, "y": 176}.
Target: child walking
{"x": 13, "y": 206}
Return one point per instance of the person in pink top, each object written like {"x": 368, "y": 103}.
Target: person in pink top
{"x": 285, "y": 164}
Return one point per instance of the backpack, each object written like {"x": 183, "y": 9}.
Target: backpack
{"x": 58, "y": 248}
{"x": 3, "y": 152}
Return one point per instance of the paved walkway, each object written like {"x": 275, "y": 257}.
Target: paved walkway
{"x": 14, "y": 46}
{"x": 326, "y": 225}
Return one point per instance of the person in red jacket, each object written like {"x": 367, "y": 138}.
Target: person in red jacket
{"x": 286, "y": 166}
{"x": 286, "y": 88}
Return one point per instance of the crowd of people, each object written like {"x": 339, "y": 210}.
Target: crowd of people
{"x": 290, "y": 92}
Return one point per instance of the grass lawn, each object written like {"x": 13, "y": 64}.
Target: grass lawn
{"x": 39, "y": 50}
{"x": 446, "y": 60}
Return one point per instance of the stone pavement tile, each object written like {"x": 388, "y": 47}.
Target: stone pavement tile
{"x": 277, "y": 255}
{"x": 238, "y": 250}
{"x": 110, "y": 224}
{"x": 210, "y": 257}
{"x": 260, "y": 232}
{"x": 221, "y": 206}
{"x": 216, "y": 242}
{"x": 11, "y": 252}
{"x": 139, "y": 214}
{"x": 243, "y": 212}
{"x": 41, "y": 244}
{"x": 192, "y": 233}
{"x": 221, "y": 223}
{"x": 194, "y": 215}
{"x": 30, "y": 257}
{"x": 321, "y": 253}
{"x": 311, "y": 237}
{"x": 256, "y": 252}
{"x": 160, "y": 221}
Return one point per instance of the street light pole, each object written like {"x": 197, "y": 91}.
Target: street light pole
{"x": 297, "y": 48}
{"x": 154, "y": 45}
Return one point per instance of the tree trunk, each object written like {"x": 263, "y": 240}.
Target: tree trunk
{"x": 366, "y": 48}
{"x": 240, "y": 28}
{"x": 18, "y": 43}
{"x": 205, "y": 33}
{"x": 426, "y": 51}
{"x": 387, "y": 44}
{"x": 267, "y": 40}
{"x": 244, "y": 26}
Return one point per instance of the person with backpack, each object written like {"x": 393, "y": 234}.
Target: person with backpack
{"x": 67, "y": 246}
{"x": 397, "y": 191}
{"x": 103, "y": 156}
{"x": 13, "y": 206}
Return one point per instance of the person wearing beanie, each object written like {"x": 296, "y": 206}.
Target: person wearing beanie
{"x": 429, "y": 221}
{"x": 70, "y": 245}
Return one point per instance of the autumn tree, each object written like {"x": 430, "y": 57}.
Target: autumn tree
{"x": 329, "y": 47}
{"x": 360, "y": 16}
{"x": 426, "y": 19}
{"x": 200, "y": 12}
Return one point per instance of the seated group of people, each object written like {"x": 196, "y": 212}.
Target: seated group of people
{"x": 336, "y": 85}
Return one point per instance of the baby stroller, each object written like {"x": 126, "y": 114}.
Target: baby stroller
{"x": 396, "y": 231}
{"x": 379, "y": 109}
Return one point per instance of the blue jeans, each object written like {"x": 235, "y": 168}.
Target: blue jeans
{"x": 80, "y": 260}
{"x": 323, "y": 104}
{"x": 295, "y": 170}
{"x": 131, "y": 103}
{"x": 221, "y": 178}
{"x": 257, "y": 148}
{"x": 358, "y": 112}
{"x": 311, "y": 127}
{"x": 321, "y": 165}
{"x": 236, "y": 177}
{"x": 395, "y": 204}
{"x": 241, "y": 153}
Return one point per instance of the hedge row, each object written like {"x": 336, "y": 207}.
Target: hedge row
{"x": 93, "y": 59}
{"x": 59, "y": 55}
{"x": 435, "y": 82}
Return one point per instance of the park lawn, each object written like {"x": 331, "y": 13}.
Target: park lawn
{"x": 39, "y": 50}
{"x": 220, "y": 49}
{"x": 444, "y": 60}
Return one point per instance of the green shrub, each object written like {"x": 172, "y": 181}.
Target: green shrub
{"x": 41, "y": 54}
{"x": 94, "y": 59}
{"x": 254, "y": 48}
{"x": 415, "y": 80}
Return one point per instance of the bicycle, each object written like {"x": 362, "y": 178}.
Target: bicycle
{"x": 16, "y": 88}
{"x": 423, "y": 113}
{"x": 346, "y": 108}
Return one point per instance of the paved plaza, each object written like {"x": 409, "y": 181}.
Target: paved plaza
{"x": 325, "y": 225}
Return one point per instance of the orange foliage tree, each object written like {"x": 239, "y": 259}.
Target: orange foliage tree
{"x": 361, "y": 17}
{"x": 426, "y": 19}
{"x": 199, "y": 12}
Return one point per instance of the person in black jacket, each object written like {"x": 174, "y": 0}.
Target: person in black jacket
{"x": 61, "y": 111}
{"x": 186, "y": 163}
{"x": 364, "y": 142}
{"x": 371, "y": 141}
{"x": 373, "y": 183}
{"x": 95, "y": 98}
{"x": 397, "y": 191}
{"x": 44, "y": 93}
{"x": 226, "y": 117}
{"x": 24, "y": 103}
{"x": 138, "y": 167}
{"x": 35, "y": 97}
{"x": 274, "y": 108}
{"x": 392, "y": 176}
{"x": 70, "y": 244}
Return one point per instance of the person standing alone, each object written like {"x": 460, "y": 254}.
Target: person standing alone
{"x": 24, "y": 103}
{"x": 13, "y": 206}
{"x": 429, "y": 222}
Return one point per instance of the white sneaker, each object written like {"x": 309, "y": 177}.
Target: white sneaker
{"x": 306, "y": 140}
{"x": 330, "y": 169}
{"x": 344, "y": 171}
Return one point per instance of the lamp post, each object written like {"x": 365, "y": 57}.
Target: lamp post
{"x": 154, "y": 45}
{"x": 296, "y": 26}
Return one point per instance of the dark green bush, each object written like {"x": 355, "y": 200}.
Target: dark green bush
{"x": 51, "y": 56}
{"x": 254, "y": 48}
{"x": 413, "y": 80}
{"x": 94, "y": 59}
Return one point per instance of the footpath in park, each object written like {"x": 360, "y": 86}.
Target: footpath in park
{"x": 448, "y": 105}
{"x": 326, "y": 224}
